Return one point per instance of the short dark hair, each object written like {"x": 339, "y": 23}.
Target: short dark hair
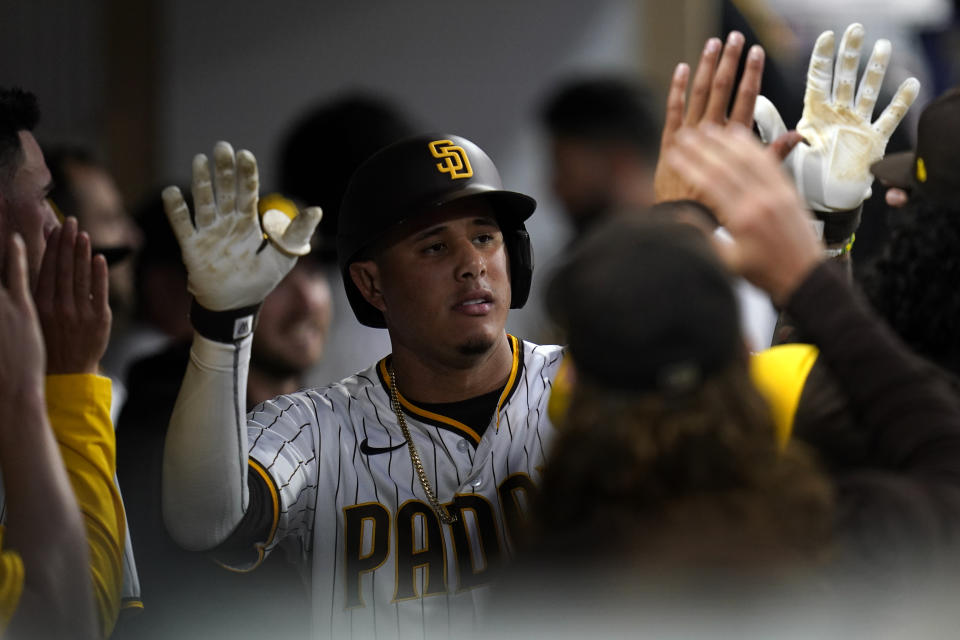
{"x": 604, "y": 109}
{"x": 58, "y": 158}
{"x": 18, "y": 112}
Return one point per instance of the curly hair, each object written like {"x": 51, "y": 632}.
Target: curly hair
{"x": 18, "y": 112}
{"x": 690, "y": 482}
{"x": 913, "y": 284}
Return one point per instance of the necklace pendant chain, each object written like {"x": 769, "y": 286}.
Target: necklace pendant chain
{"x": 441, "y": 510}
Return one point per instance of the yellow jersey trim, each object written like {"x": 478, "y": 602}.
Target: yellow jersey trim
{"x": 418, "y": 412}
{"x": 275, "y": 501}
{"x": 512, "y": 380}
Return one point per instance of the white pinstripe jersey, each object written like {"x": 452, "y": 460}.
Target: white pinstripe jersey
{"x": 381, "y": 563}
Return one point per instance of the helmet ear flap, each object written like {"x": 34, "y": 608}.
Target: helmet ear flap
{"x": 520, "y": 250}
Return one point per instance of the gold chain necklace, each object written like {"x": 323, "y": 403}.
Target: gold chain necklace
{"x": 444, "y": 514}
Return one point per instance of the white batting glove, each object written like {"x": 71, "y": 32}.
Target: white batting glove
{"x": 230, "y": 262}
{"x": 832, "y": 169}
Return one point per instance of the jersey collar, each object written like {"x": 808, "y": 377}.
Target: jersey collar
{"x": 446, "y": 422}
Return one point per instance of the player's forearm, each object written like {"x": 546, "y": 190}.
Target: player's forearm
{"x": 912, "y": 418}
{"x": 44, "y": 526}
{"x": 205, "y": 458}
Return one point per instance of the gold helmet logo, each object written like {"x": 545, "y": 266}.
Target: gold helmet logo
{"x": 455, "y": 160}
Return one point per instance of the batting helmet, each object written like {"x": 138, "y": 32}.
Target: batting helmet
{"x": 413, "y": 177}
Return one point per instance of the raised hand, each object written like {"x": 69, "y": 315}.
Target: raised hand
{"x": 22, "y": 358}
{"x": 713, "y": 84}
{"x": 832, "y": 167}
{"x": 230, "y": 261}
{"x": 72, "y": 302}
{"x": 774, "y": 245}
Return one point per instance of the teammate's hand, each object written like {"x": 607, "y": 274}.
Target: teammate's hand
{"x": 21, "y": 343}
{"x": 774, "y": 245}
{"x": 229, "y": 261}
{"x": 71, "y": 297}
{"x": 709, "y": 96}
{"x": 832, "y": 168}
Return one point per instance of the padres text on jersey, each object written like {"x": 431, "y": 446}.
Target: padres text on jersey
{"x": 349, "y": 502}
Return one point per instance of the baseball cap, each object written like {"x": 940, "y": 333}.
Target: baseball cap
{"x": 932, "y": 167}
{"x": 414, "y": 176}
{"x": 647, "y": 306}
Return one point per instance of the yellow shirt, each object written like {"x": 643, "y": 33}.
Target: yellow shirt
{"x": 11, "y": 583}
{"x": 78, "y": 406}
{"x": 779, "y": 374}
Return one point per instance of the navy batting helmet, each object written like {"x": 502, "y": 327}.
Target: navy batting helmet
{"x": 412, "y": 177}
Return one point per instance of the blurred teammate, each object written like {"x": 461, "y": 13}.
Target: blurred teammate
{"x": 292, "y": 330}
{"x": 603, "y": 143}
{"x": 913, "y": 283}
{"x": 69, "y": 288}
{"x": 44, "y": 579}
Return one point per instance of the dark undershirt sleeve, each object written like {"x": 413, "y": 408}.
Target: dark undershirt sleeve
{"x": 242, "y": 550}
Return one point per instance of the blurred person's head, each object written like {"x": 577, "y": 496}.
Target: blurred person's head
{"x": 293, "y": 324}
{"x": 604, "y": 137}
{"x": 84, "y": 189}
{"x": 667, "y": 447}
{"x": 24, "y": 178}
{"x": 325, "y": 145}
{"x": 160, "y": 279}
{"x": 912, "y": 283}
{"x": 929, "y": 170}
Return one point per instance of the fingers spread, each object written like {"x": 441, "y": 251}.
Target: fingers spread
{"x": 872, "y": 80}
{"x": 702, "y": 79}
{"x": 98, "y": 286}
{"x": 65, "y": 266}
{"x": 769, "y": 121}
{"x": 298, "y": 234}
{"x": 675, "y": 104}
{"x": 749, "y": 89}
{"x": 81, "y": 271}
{"x": 18, "y": 283}
{"x": 47, "y": 279}
{"x": 177, "y": 213}
{"x": 723, "y": 79}
{"x": 848, "y": 61}
{"x": 203, "y": 192}
{"x": 249, "y": 185}
{"x": 820, "y": 71}
{"x": 225, "y": 176}
{"x": 893, "y": 114}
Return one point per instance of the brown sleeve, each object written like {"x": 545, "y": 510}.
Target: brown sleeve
{"x": 899, "y": 480}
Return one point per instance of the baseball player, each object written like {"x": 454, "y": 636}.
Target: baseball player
{"x": 401, "y": 488}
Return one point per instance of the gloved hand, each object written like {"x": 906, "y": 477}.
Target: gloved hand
{"x": 230, "y": 262}
{"x": 832, "y": 167}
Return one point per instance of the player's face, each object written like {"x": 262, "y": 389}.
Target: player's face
{"x": 101, "y": 213}
{"x": 25, "y": 209}
{"x": 446, "y": 284}
{"x": 294, "y": 321}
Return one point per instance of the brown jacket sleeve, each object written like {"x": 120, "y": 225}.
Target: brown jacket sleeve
{"x": 899, "y": 493}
